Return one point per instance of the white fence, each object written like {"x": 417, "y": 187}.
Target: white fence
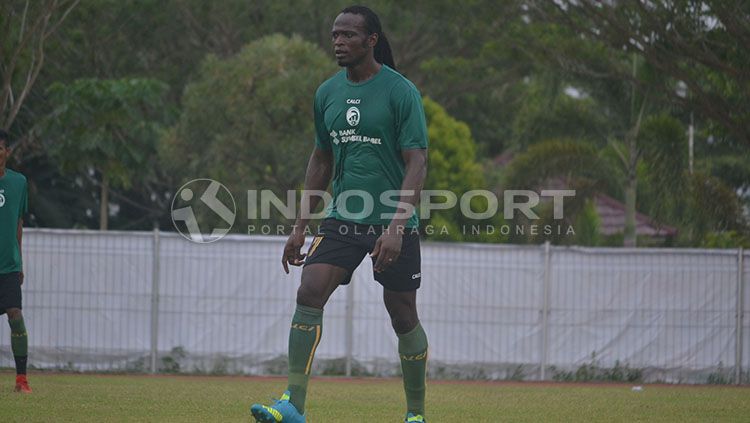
{"x": 139, "y": 301}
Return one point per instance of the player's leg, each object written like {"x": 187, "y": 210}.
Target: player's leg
{"x": 10, "y": 303}
{"x": 400, "y": 283}
{"x": 319, "y": 280}
{"x": 412, "y": 347}
{"x": 20, "y": 345}
{"x": 329, "y": 263}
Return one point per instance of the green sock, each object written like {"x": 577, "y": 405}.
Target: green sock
{"x": 19, "y": 343}
{"x": 412, "y": 348}
{"x": 304, "y": 337}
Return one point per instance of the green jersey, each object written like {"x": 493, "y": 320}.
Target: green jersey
{"x": 367, "y": 125}
{"x": 13, "y": 206}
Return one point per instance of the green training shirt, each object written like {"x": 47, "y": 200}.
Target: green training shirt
{"x": 367, "y": 125}
{"x": 13, "y": 206}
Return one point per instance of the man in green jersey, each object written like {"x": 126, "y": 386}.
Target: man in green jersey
{"x": 371, "y": 138}
{"x": 13, "y": 205}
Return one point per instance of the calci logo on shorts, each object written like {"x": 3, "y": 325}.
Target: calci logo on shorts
{"x": 352, "y": 116}
{"x": 203, "y": 211}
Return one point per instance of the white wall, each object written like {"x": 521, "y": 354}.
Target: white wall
{"x": 672, "y": 313}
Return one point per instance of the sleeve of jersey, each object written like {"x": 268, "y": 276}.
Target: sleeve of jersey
{"x": 412, "y": 126}
{"x": 322, "y": 140}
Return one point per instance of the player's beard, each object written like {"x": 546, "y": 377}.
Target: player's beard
{"x": 351, "y": 61}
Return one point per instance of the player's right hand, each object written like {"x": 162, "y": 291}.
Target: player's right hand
{"x": 292, "y": 251}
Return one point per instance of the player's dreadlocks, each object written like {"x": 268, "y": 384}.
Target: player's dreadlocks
{"x": 383, "y": 52}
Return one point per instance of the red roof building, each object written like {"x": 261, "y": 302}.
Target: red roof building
{"x": 612, "y": 220}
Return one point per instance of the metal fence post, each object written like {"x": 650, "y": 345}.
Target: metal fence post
{"x": 155, "y": 301}
{"x": 740, "y": 310}
{"x": 545, "y": 311}
{"x": 349, "y": 325}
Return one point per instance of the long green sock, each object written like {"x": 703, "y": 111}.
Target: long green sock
{"x": 19, "y": 343}
{"x": 304, "y": 337}
{"x": 412, "y": 348}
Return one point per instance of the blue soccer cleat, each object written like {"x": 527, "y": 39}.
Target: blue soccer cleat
{"x": 281, "y": 411}
{"x": 411, "y": 418}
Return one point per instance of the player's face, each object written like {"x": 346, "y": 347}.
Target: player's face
{"x": 351, "y": 44}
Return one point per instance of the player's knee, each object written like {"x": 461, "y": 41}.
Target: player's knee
{"x": 14, "y": 313}
{"x": 308, "y": 296}
{"x": 404, "y": 324}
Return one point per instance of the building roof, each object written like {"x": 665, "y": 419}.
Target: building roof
{"x": 611, "y": 212}
{"x": 612, "y": 219}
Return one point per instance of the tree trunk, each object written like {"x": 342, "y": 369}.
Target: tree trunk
{"x": 630, "y": 232}
{"x": 104, "y": 203}
{"x": 629, "y": 239}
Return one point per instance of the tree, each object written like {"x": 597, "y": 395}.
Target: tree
{"x": 699, "y": 45}
{"x": 687, "y": 59}
{"x": 607, "y": 117}
{"x": 452, "y": 166}
{"x": 247, "y": 121}
{"x": 477, "y": 67}
{"x": 106, "y": 130}
{"x": 25, "y": 28}
{"x": 575, "y": 164}
{"x": 713, "y": 211}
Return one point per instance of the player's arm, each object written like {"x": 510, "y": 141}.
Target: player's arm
{"x": 317, "y": 177}
{"x": 19, "y": 237}
{"x": 415, "y": 164}
{"x": 388, "y": 246}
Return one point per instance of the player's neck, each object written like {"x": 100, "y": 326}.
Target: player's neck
{"x": 2, "y": 170}
{"x": 363, "y": 71}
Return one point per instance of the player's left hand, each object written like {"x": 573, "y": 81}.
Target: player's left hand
{"x": 387, "y": 249}
{"x": 21, "y": 277}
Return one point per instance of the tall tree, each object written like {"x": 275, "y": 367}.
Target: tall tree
{"x": 699, "y": 45}
{"x": 247, "y": 120}
{"x": 25, "y": 29}
{"x": 453, "y": 166}
{"x": 106, "y": 130}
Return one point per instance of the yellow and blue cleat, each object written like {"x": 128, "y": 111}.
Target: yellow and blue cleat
{"x": 281, "y": 411}
{"x": 411, "y": 418}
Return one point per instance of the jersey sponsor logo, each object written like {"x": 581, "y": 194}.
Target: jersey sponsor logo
{"x": 352, "y": 116}
{"x": 333, "y": 135}
{"x": 350, "y": 135}
{"x": 353, "y": 101}
{"x": 2, "y": 200}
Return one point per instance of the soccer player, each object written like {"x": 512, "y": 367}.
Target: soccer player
{"x": 13, "y": 205}
{"x": 371, "y": 136}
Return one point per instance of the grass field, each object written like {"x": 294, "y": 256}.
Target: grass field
{"x": 103, "y": 398}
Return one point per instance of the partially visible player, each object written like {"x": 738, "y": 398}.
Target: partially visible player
{"x": 13, "y": 206}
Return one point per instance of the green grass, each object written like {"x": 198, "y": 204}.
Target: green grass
{"x": 104, "y": 398}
